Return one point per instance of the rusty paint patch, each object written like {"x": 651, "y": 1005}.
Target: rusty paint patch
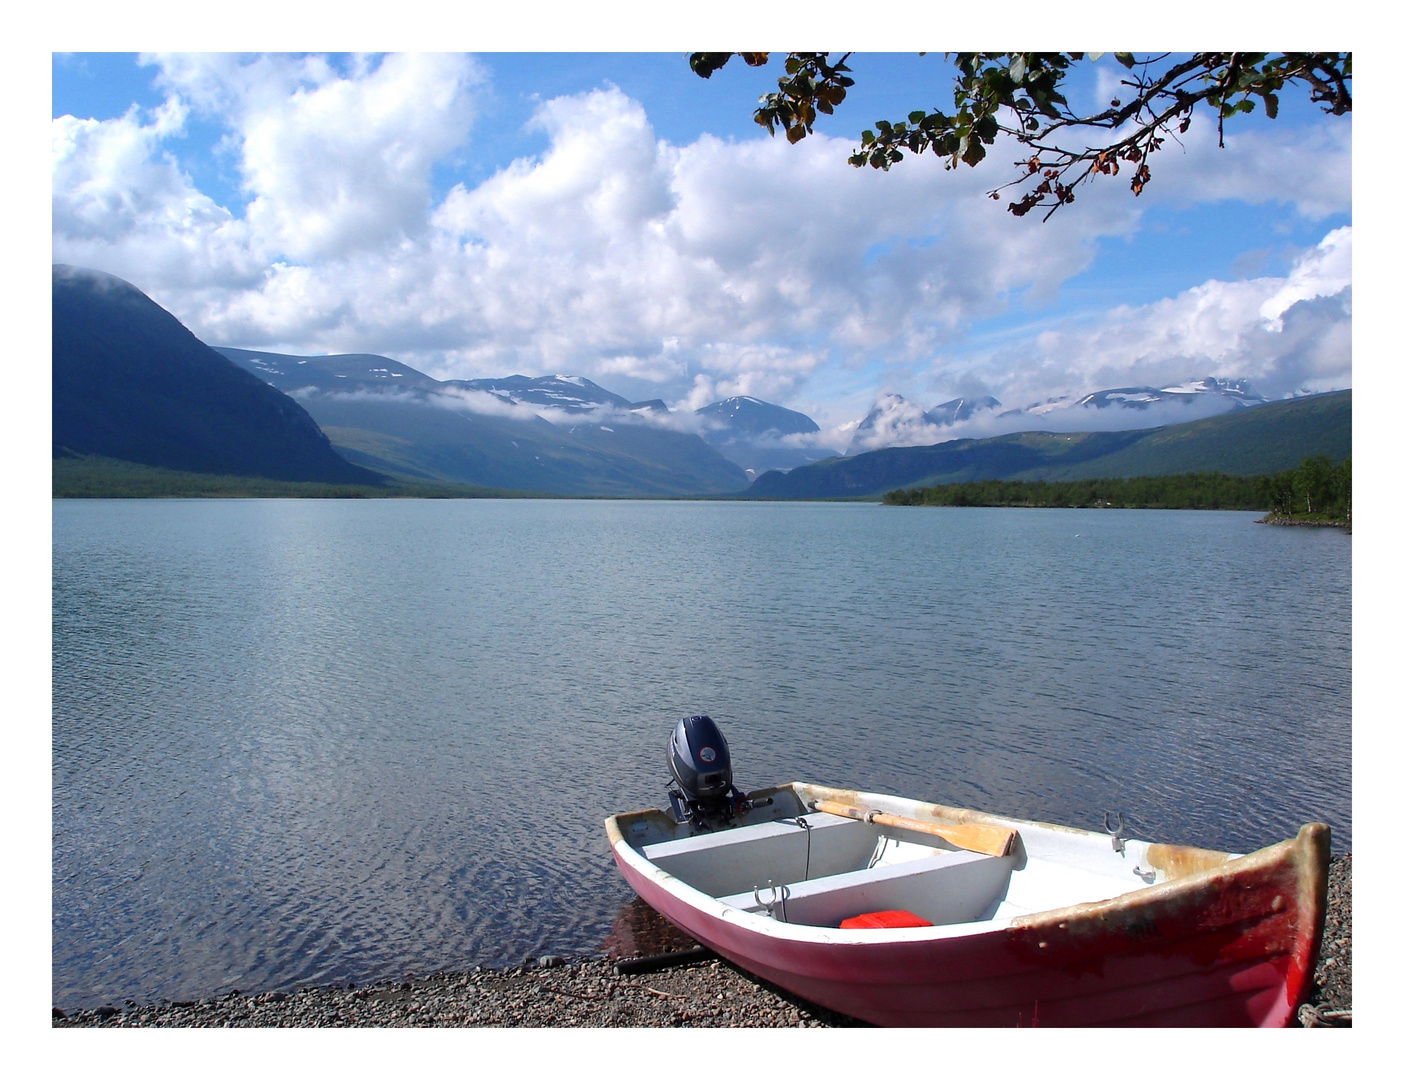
{"x": 1176, "y": 861}
{"x": 1268, "y": 907}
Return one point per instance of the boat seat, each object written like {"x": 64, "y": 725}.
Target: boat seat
{"x": 728, "y": 861}
{"x": 736, "y": 838}
{"x": 949, "y": 887}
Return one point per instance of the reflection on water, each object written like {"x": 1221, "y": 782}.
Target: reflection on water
{"x": 308, "y": 742}
{"x": 638, "y": 930}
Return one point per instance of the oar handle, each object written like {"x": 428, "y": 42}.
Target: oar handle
{"x": 986, "y": 839}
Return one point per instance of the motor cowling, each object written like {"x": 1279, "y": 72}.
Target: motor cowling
{"x": 700, "y": 762}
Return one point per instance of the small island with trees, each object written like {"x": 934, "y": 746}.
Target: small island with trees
{"x": 1316, "y": 492}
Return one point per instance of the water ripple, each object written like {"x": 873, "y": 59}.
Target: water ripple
{"x": 302, "y": 742}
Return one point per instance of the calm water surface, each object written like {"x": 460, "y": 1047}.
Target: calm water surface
{"x": 320, "y": 741}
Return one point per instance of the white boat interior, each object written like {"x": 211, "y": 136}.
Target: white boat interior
{"x": 817, "y": 869}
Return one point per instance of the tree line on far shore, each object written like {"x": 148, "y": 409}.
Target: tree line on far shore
{"x": 1316, "y": 490}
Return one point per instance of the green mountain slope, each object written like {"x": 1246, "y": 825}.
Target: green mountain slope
{"x": 1263, "y": 439}
{"x": 408, "y": 437}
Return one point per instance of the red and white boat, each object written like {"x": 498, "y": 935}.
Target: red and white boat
{"x": 909, "y": 913}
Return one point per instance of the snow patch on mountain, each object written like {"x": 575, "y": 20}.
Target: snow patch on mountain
{"x": 895, "y": 421}
{"x": 760, "y": 435}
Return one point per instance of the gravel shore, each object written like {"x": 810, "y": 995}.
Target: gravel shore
{"x": 1329, "y": 1003}
{"x": 588, "y": 992}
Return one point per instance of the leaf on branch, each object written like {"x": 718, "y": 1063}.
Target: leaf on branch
{"x": 704, "y": 63}
{"x": 1161, "y": 91}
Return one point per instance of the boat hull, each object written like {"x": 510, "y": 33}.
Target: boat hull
{"x": 1232, "y": 944}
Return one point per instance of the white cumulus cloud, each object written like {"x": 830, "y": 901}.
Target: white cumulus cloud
{"x": 687, "y": 272}
{"x": 334, "y": 164}
{"x": 1283, "y": 335}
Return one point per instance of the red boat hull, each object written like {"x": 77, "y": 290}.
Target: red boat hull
{"x": 1233, "y": 945}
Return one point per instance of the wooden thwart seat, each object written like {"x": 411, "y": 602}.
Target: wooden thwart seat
{"x": 987, "y": 839}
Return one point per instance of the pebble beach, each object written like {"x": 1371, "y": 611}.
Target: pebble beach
{"x": 571, "y": 992}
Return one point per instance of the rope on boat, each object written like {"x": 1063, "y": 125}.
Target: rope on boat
{"x": 1311, "y": 1016}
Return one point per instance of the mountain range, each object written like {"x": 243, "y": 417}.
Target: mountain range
{"x": 895, "y": 421}
{"x": 359, "y": 399}
{"x": 495, "y": 432}
{"x": 1267, "y": 438}
{"x": 131, "y": 384}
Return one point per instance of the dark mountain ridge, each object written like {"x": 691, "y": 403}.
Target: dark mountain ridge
{"x": 339, "y": 373}
{"x": 753, "y": 433}
{"x": 131, "y": 383}
{"x": 756, "y": 418}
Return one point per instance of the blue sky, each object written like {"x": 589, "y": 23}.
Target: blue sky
{"x": 612, "y": 215}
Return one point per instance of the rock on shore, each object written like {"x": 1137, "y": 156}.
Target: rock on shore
{"x": 587, "y": 992}
{"x": 1330, "y": 1002}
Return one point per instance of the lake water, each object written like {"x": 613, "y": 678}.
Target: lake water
{"x": 329, "y": 741}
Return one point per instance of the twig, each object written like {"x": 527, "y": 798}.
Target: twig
{"x": 651, "y": 990}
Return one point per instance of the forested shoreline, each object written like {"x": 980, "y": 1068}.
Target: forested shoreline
{"x": 1316, "y": 491}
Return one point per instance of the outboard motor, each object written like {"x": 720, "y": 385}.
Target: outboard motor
{"x": 700, "y": 762}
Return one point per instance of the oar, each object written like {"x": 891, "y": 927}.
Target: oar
{"x": 986, "y": 839}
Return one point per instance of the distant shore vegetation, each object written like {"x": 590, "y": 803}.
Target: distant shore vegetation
{"x": 1318, "y": 491}
{"x": 94, "y": 477}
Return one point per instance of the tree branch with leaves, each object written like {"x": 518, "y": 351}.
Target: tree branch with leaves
{"x": 1020, "y": 96}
